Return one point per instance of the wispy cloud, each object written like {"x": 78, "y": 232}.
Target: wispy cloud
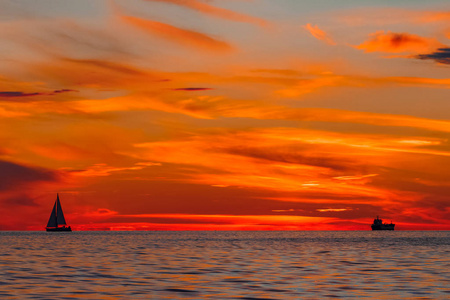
{"x": 360, "y": 177}
{"x": 319, "y": 34}
{"x": 99, "y": 170}
{"x": 433, "y": 16}
{"x": 103, "y": 74}
{"x": 332, "y": 209}
{"x": 213, "y": 222}
{"x": 215, "y": 11}
{"x": 272, "y": 156}
{"x": 178, "y": 35}
{"x": 390, "y": 15}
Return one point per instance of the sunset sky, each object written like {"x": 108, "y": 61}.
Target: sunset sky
{"x": 225, "y": 114}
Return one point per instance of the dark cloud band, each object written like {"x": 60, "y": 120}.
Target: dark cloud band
{"x": 18, "y": 94}
{"x": 442, "y": 55}
{"x": 13, "y": 175}
{"x": 192, "y": 89}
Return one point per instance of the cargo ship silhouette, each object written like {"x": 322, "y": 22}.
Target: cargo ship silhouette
{"x": 378, "y": 225}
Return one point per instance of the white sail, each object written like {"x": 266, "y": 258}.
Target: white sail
{"x": 52, "y": 220}
{"x": 60, "y": 220}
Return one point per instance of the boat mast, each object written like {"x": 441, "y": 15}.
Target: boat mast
{"x": 56, "y": 212}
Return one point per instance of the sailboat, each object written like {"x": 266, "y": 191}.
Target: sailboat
{"x": 57, "y": 222}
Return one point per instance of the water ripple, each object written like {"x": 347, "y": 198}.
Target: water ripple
{"x": 225, "y": 265}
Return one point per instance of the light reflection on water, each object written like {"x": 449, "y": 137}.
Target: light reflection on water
{"x": 225, "y": 265}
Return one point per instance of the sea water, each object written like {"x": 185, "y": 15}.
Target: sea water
{"x": 225, "y": 265}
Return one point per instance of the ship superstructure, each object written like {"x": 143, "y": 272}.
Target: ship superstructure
{"x": 379, "y": 225}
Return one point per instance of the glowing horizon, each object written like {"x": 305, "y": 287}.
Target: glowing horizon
{"x": 225, "y": 115}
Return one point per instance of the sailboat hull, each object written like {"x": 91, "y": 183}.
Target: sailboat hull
{"x": 53, "y": 229}
{"x": 57, "y": 222}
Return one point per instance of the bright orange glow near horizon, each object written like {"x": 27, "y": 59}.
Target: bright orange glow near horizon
{"x": 225, "y": 115}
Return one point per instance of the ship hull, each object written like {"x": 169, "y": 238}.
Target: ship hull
{"x": 383, "y": 227}
{"x": 58, "y": 229}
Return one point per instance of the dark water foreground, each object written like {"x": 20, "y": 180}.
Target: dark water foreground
{"x": 225, "y": 265}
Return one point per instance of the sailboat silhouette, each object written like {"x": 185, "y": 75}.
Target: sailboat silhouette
{"x": 57, "y": 218}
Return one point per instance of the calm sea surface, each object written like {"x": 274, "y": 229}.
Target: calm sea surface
{"x": 225, "y": 265}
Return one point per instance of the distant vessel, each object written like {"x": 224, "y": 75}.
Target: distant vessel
{"x": 57, "y": 218}
{"x": 378, "y": 225}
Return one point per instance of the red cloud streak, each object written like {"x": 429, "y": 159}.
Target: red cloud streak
{"x": 216, "y": 11}
{"x": 179, "y": 35}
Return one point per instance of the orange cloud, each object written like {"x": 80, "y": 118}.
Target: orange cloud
{"x": 267, "y": 164}
{"x": 206, "y": 107}
{"x": 317, "y": 166}
{"x": 342, "y": 116}
{"x": 262, "y": 225}
{"x": 319, "y": 34}
{"x": 203, "y": 222}
{"x": 178, "y": 35}
{"x": 60, "y": 151}
{"x": 6, "y": 113}
{"x": 332, "y": 209}
{"x": 391, "y": 42}
{"x": 100, "y": 213}
{"x": 388, "y": 15}
{"x": 216, "y": 11}
{"x": 95, "y": 74}
{"x": 105, "y": 170}
{"x": 433, "y": 16}
{"x": 362, "y": 179}
{"x": 122, "y": 76}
